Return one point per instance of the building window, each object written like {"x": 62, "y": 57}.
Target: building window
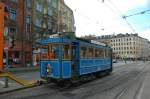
{"x": 28, "y": 3}
{"x": 38, "y": 7}
{"x": 28, "y": 26}
{"x": 28, "y": 19}
{"x": 6, "y": 32}
{"x": 14, "y": 1}
{"x": 49, "y": 1}
{"x": 54, "y": 3}
{"x": 12, "y": 14}
{"x": 38, "y": 22}
{"x": 50, "y": 11}
{"x": 12, "y": 33}
{"x": 127, "y": 48}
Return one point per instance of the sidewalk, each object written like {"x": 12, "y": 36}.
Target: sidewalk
{"x": 120, "y": 63}
{"x": 23, "y": 69}
{"x": 24, "y": 73}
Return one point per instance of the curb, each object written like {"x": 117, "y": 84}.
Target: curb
{"x": 25, "y": 69}
{"x": 17, "y": 89}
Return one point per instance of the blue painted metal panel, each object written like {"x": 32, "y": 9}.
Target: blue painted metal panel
{"x": 66, "y": 69}
{"x": 94, "y": 65}
{"x": 54, "y": 66}
{"x": 43, "y": 69}
{"x": 55, "y": 40}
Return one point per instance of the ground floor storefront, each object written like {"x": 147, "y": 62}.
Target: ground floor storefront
{"x": 20, "y": 55}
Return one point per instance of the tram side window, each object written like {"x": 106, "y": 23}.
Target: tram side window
{"x": 83, "y": 52}
{"x": 44, "y": 53}
{"x": 66, "y": 52}
{"x": 101, "y": 53}
{"x": 96, "y": 53}
{"x": 91, "y": 52}
{"x": 109, "y": 53}
{"x": 54, "y": 51}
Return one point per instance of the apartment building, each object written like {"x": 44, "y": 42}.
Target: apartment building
{"x": 14, "y": 29}
{"x": 29, "y": 21}
{"x": 129, "y": 46}
{"x": 66, "y": 22}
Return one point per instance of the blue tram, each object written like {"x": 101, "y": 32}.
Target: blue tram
{"x": 63, "y": 59}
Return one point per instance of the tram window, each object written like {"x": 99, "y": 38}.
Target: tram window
{"x": 54, "y": 51}
{"x": 91, "y": 52}
{"x": 107, "y": 53}
{"x": 44, "y": 53}
{"x": 83, "y": 52}
{"x": 96, "y": 53}
{"x": 66, "y": 52}
{"x": 101, "y": 53}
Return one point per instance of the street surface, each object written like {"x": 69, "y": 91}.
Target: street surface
{"x": 128, "y": 81}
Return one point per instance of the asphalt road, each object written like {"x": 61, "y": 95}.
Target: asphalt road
{"x": 129, "y": 81}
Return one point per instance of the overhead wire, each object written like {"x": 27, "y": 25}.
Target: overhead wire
{"x": 142, "y": 12}
{"x": 120, "y": 14}
{"x": 88, "y": 18}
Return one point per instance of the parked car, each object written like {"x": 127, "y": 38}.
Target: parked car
{"x": 114, "y": 61}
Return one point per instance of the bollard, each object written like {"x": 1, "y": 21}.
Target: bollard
{"x": 6, "y": 82}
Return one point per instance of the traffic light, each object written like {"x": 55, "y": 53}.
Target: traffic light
{"x": 11, "y": 43}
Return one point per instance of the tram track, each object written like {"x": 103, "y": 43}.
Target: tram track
{"x": 112, "y": 83}
{"x": 117, "y": 74}
{"x": 138, "y": 81}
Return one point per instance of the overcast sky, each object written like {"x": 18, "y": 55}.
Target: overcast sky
{"x": 97, "y": 18}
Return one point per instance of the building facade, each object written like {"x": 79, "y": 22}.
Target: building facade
{"x": 28, "y": 22}
{"x": 127, "y": 46}
{"x": 66, "y": 16}
{"x": 14, "y": 29}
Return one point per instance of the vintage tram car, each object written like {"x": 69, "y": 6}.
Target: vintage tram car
{"x": 66, "y": 59}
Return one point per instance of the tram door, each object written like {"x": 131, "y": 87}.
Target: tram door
{"x": 75, "y": 61}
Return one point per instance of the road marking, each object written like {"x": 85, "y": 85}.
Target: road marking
{"x": 140, "y": 92}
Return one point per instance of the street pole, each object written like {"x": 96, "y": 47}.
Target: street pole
{"x": 7, "y": 66}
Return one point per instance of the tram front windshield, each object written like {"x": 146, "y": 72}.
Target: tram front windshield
{"x": 50, "y": 52}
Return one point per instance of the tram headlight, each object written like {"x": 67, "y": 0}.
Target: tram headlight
{"x": 49, "y": 69}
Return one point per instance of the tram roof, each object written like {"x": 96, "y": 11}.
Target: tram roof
{"x": 68, "y": 41}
